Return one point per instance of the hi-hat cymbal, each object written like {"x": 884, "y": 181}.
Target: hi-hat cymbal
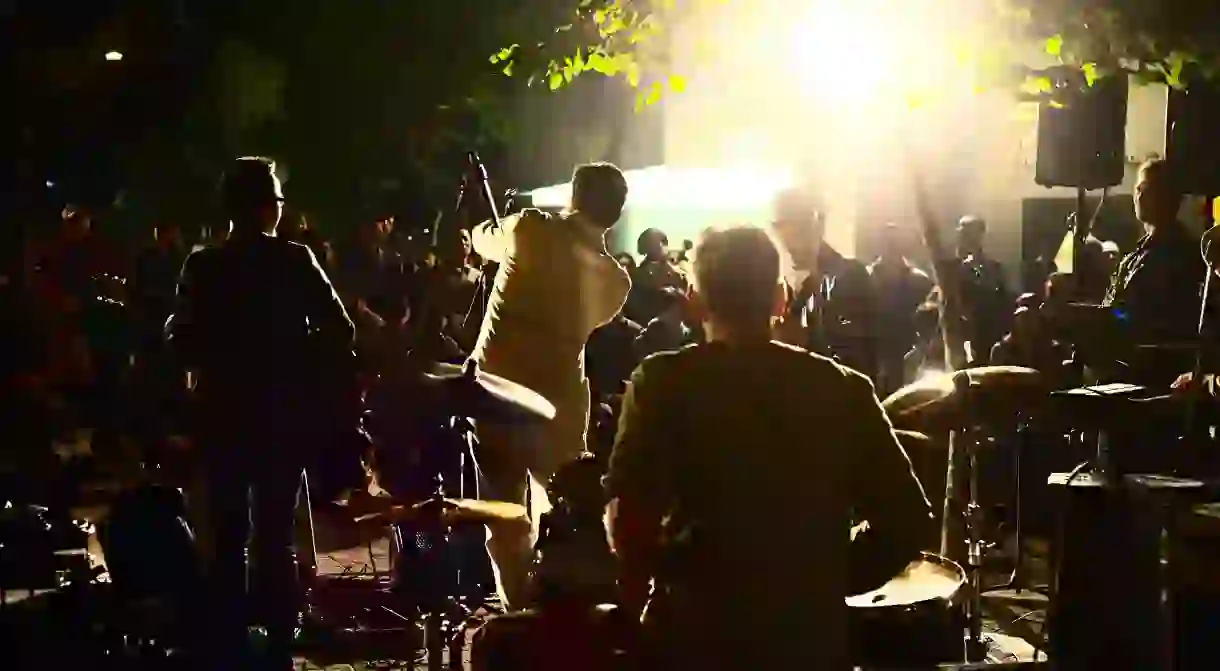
{"x": 994, "y": 393}
{"x": 470, "y": 392}
{"x": 454, "y": 512}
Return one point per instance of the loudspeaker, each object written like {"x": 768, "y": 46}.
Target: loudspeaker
{"x": 1082, "y": 132}
{"x": 1193, "y": 137}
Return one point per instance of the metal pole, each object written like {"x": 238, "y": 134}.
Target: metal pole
{"x": 1079, "y": 234}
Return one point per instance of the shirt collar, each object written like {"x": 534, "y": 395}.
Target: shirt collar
{"x": 587, "y": 231}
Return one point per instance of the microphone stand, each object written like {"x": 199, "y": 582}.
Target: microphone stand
{"x": 479, "y": 171}
{"x": 1192, "y": 439}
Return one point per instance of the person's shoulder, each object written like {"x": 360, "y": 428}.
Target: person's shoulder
{"x": 821, "y": 368}
{"x": 663, "y": 365}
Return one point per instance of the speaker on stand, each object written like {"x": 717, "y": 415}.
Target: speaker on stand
{"x": 1192, "y": 135}
{"x": 1082, "y": 138}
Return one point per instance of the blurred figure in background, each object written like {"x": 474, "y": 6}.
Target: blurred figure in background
{"x": 900, "y": 288}
{"x": 987, "y": 300}
{"x": 655, "y": 273}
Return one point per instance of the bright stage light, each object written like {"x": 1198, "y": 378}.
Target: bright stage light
{"x": 864, "y": 53}
{"x": 663, "y": 187}
{"x": 114, "y": 56}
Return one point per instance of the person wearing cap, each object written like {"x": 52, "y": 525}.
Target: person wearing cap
{"x": 257, "y": 322}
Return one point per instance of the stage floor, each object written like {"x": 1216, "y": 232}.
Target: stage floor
{"x": 1013, "y": 621}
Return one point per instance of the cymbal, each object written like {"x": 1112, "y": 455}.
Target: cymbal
{"x": 470, "y": 392}
{"x": 454, "y": 512}
{"x": 994, "y": 393}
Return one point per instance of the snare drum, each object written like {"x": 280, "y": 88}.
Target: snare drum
{"x": 914, "y": 619}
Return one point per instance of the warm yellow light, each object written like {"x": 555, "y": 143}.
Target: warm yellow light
{"x": 114, "y": 55}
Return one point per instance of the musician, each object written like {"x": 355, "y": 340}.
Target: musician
{"x": 901, "y": 289}
{"x": 255, "y": 318}
{"x": 987, "y": 300}
{"x": 737, "y": 470}
{"x": 555, "y": 285}
{"x": 1156, "y": 286}
{"x": 831, "y": 307}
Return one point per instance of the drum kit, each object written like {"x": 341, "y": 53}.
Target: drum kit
{"x": 917, "y": 617}
{"x": 428, "y": 584}
{"x": 965, "y": 405}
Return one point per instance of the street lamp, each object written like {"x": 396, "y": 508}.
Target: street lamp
{"x": 114, "y": 56}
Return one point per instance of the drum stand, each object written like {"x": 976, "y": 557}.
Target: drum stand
{"x": 447, "y": 617}
{"x": 976, "y": 648}
{"x": 1018, "y": 581}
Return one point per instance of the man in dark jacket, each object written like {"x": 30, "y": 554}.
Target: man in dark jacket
{"x": 831, "y": 304}
{"x": 257, "y": 321}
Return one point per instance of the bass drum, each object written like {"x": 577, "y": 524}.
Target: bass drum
{"x": 915, "y": 619}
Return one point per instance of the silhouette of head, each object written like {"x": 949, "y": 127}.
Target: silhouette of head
{"x": 652, "y": 244}
{"x": 971, "y": 231}
{"x": 799, "y": 224}
{"x": 1158, "y": 196}
{"x": 737, "y": 277}
{"x": 599, "y": 191}
{"x": 252, "y": 196}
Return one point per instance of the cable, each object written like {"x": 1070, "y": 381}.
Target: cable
{"x": 1052, "y": 601}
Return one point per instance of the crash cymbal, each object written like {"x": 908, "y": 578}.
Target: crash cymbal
{"x": 470, "y": 392}
{"x": 454, "y": 512}
{"x": 994, "y": 393}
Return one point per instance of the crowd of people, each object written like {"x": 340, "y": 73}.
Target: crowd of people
{"x": 255, "y": 330}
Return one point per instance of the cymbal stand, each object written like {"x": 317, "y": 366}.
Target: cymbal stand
{"x": 446, "y": 617}
{"x": 975, "y": 550}
{"x": 1018, "y": 581}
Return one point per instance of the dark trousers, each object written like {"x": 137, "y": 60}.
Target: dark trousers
{"x": 252, "y": 483}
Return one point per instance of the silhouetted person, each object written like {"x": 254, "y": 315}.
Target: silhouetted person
{"x": 831, "y": 305}
{"x": 255, "y": 318}
{"x": 901, "y": 289}
{"x": 988, "y": 301}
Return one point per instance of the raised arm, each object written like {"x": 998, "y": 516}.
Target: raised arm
{"x": 883, "y": 490}
{"x": 495, "y": 242}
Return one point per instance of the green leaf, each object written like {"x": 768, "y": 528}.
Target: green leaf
{"x": 504, "y": 54}
{"x": 1055, "y": 104}
{"x": 677, "y": 83}
{"x": 654, "y": 94}
{"x": 633, "y": 74}
{"x": 508, "y": 69}
{"x": 1175, "y": 63}
{"x": 1090, "y": 73}
{"x": 1036, "y": 86}
{"x": 1054, "y": 46}
{"x": 599, "y": 17}
{"x": 555, "y": 80}
{"x": 578, "y": 63}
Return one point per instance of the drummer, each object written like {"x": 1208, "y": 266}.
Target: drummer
{"x": 756, "y": 455}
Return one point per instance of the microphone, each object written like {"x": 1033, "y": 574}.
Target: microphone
{"x": 479, "y": 172}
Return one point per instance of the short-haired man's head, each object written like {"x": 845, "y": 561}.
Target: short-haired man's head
{"x": 599, "y": 191}
{"x": 652, "y": 243}
{"x": 251, "y": 192}
{"x": 1158, "y": 193}
{"x": 737, "y": 275}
